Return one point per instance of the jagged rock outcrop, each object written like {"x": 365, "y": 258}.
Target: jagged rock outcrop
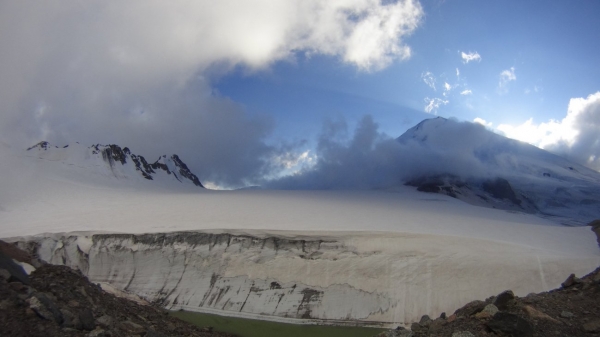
{"x": 120, "y": 159}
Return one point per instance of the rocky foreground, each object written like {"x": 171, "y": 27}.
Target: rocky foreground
{"x": 573, "y": 310}
{"x": 570, "y": 311}
{"x": 59, "y": 301}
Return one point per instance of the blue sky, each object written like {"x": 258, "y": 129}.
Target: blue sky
{"x": 550, "y": 45}
{"x": 245, "y": 90}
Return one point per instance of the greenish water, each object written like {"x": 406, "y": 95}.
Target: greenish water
{"x": 256, "y": 328}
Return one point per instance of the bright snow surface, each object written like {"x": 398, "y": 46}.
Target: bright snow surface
{"x": 465, "y": 251}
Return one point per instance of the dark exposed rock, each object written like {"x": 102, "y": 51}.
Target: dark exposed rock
{"x": 14, "y": 271}
{"x": 113, "y": 154}
{"x": 596, "y": 229}
{"x": 46, "y": 308}
{"x": 570, "y": 281}
{"x": 184, "y": 171}
{"x": 64, "y": 303}
{"x": 510, "y": 324}
{"x": 571, "y": 311}
{"x": 15, "y": 253}
{"x": 425, "y": 320}
{"x": 41, "y": 145}
{"x": 593, "y": 326}
{"x": 500, "y": 188}
{"x": 504, "y": 299}
{"x": 566, "y": 314}
{"x": 86, "y": 317}
{"x": 463, "y": 334}
{"x": 470, "y": 308}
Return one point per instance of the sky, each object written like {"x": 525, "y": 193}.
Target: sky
{"x": 247, "y": 91}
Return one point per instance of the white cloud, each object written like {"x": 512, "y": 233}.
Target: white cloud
{"x": 447, "y": 88}
{"x": 535, "y": 89}
{"x": 291, "y": 160}
{"x": 470, "y": 56}
{"x": 466, "y": 92}
{"x": 457, "y": 73}
{"x": 429, "y": 79}
{"x": 141, "y": 70}
{"x": 577, "y": 136}
{"x": 506, "y": 76}
{"x": 433, "y": 104}
{"x": 482, "y": 122}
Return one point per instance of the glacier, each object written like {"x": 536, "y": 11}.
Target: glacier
{"x": 357, "y": 257}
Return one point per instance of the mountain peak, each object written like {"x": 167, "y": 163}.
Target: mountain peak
{"x": 481, "y": 167}
{"x": 119, "y": 162}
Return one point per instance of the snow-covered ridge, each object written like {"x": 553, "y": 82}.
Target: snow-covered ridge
{"x": 120, "y": 162}
{"x": 504, "y": 173}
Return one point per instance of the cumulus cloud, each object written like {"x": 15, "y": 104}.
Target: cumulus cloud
{"x": 466, "y": 92}
{"x": 433, "y": 104}
{"x": 429, "y": 79}
{"x": 373, "y": 160}
{"x": 506, "y": 76}
{"x": 577, "y": 136}
{"x": 470, "y": 57}
{"x": 139, "y": 72}
{"x": 482, "y": 122}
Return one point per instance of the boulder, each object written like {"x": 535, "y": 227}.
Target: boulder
{"x": 86, "y": 317}
{"x": 45, "y": 308}
{"x": 570, "y": 281}
{"x": 463, "y": 334}
{"x": 504, "y": 300}
{"x": 510, "y": 324}
{"x": 425, "y": 320}
{"x": 536, "y": 314}
{"x": 592, "y": 327}
{"x": 487, "y": 312}
{"x": 14, "y": 271}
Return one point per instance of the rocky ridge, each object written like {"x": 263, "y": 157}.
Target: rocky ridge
{"x": 115, "y": 155}
{"x": 59, "y": 301}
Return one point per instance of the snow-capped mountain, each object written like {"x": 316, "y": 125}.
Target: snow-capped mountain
{"x": 120, "y": 163}
{"x": 505, "y": 173}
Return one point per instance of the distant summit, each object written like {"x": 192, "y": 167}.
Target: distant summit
{"x": 506, "y": 173}
{"x": 120, "y": 162}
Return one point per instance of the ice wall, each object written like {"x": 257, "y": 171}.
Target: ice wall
{"x": 358, "y": 278}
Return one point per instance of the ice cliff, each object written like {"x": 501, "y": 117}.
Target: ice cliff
{"x": 355, "y": 278}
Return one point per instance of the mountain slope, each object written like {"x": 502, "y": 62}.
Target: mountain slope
{"x": 508, "y": 174}
{"x": 120, "y": 163}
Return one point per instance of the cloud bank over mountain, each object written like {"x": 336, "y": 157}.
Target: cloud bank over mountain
{"x": 370, "y": 159}
{"x": 141, "y": 72}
